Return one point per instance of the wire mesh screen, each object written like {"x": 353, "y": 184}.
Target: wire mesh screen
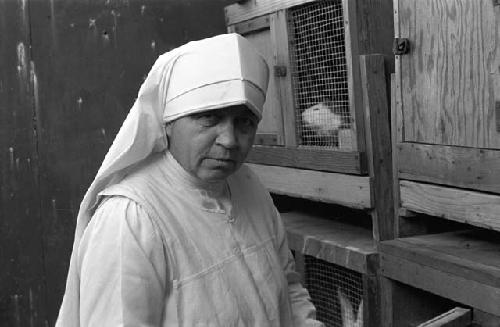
{"x": 336, "y": 292}
{"x": 319, "y": 74}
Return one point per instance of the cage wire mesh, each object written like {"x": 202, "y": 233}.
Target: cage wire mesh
{"x": 319, "y": 75}
{"x": 334, "y": 289}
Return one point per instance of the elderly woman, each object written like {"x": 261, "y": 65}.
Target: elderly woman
{"x": 175, "y": 230}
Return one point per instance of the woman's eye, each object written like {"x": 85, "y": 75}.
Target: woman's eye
{"x": 247, "y": 122}
{"x": 208, "y": 119}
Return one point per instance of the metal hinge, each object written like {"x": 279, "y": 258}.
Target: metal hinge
{"x": 280, "y": 71}
{"x": 401, "y": 46}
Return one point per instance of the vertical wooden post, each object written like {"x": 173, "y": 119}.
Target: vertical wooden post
{"x": 378, "y": 145}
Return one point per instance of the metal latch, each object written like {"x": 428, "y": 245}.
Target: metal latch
{"x": 280, "y": 71}
{"x": 401, "y": 46}
{"x": 496, "y": 3}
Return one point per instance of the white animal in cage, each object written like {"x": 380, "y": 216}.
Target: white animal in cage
{"x": 349, "y": 318}
{"x": 322, "y": 119}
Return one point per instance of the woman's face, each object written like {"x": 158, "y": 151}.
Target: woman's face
{"x": 213, "y": 144}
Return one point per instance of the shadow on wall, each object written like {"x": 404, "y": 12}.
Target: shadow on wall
{"x": 69, "y": 73}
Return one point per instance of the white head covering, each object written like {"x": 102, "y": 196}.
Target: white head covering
{"x": 213, "y": 73}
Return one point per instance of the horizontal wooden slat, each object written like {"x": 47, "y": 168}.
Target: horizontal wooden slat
{"x": 325, "y": 160}
{"x": 463, "y": 167}
{"x": 346, "y": 245}
{"x": 483, "y": 297}
{"x": 463, "y": 253}
{"x": 348, "y": 190}
{"x": 460, "y": 266}
{"x": 456, "y": 317}
{"x": 252, "y": 25}
{"x": 475, "y": 208}
{"x": 236, "y": 13}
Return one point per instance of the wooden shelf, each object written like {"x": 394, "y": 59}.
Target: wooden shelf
{"x": 347, "y": 190}
{"x": 463, "y": 266}
{"x": 345, "y": 245}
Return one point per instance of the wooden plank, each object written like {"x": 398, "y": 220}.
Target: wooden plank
{"x": 468, "y": 292}
{"x": 353, "y": 75}
{"x": 326, "y": 160}
{"x": 280, "y": 40}
{"x": 272, "y": 116}
{"x": 252, "y": 25}
{"x": 345, "y": 245}
{"x": 236, "y": 13}
{"x": 378, "y": 149}
{"x": 456, "y": 317}
{"x": 371, "y": 302}
{"x": 469, "y": 207}
{"x": 445, "y": 102}
{"x": 22, "y": 276}
{"x": 463, "y": 167}
{"x": 348, "y": 190}
{"x": 91, "y": 58}
{"x": 386, "y": 300}
{"x": 467, "y": 254}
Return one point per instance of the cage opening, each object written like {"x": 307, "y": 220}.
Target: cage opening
{"x": 319, "y": 75}
{"x": 336, "y": 292}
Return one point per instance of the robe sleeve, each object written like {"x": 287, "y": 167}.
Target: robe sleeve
{"x": 123, "y": 268}
{"x": 303, "y": 311}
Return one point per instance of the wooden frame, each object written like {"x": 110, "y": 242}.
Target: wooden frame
{"x": 341, "y": 244}
{"x": 348, "y": 190}
{"x": 254, "y": 15}
{"x": 456, "y": 265}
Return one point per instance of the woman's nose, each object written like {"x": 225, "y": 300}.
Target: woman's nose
{"x": 227, "y": 135}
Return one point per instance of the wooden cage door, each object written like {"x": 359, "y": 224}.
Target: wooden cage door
{"x": 450, "y": 77}
{"x": 448, "y": 92}
{"x": 260, "y": 33}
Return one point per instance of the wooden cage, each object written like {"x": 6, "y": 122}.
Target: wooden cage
{"x": 338, "y": 264}
{"x": 446, "y": 150}
{"x": 314, "y": 118}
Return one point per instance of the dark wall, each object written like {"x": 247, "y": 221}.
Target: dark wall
{"x": 69, "y": 73}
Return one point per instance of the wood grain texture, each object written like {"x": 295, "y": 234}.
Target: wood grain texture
{"x": 91, "y": 58}
{"x": 449, "y": 76}
{"x": 456, "y": 166}
{"x": 22, "y": 276}
{"x": 272, "y": 118}
{"x": 467, "y": 254}
{"x": 348, "y": 190}
{"x": 378, "y": 136}
{"x": 349, "y": 246}
{"x": 236, "y": 13}
{"x": 280, "y": 39}
{"x": 326, "y": 160}
{"x": 443, "y": 284}
{"x": 475, "y": 208}
{"x": 460, "y": 266}
{"x": 456, "y": 317}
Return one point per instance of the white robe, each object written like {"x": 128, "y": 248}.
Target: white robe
{"x": 164, "y": 250}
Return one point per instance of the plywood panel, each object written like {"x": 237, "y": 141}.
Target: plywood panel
{"x": 272, "y": 120}
{"x": 450, "y": 77}
{"x": 22, "y": 287}
{"x": 91, "y": 58}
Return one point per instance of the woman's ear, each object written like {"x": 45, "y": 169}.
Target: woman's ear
{"x": 168, "y": 129}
